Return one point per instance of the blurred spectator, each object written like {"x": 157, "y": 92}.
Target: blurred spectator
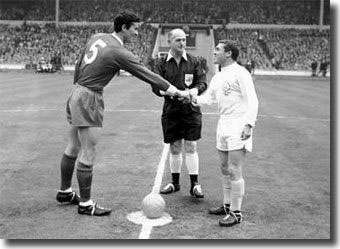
{"x": 323, "y": 67}
{"x": 56, "y": 62}
{"x": 314, "y": 66}
{"x": 44, "y": 66}
{"x": 248, "y": 66}
{"x": 252, "y": 66}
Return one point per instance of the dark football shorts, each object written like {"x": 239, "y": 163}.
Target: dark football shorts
{"x": 85, "y": 108}
{"x": 179, "y": 126}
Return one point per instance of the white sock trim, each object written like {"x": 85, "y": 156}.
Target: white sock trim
{"x": 69, "y": 190}
{"x": 86, "y": 203}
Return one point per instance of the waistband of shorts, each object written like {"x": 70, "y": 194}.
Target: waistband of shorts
{"x": 88, "y": 89}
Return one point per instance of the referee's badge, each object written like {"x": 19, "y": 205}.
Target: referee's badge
{"x": 188, "y": 79}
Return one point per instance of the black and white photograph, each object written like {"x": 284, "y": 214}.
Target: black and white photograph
{"x": 168, "y": 120}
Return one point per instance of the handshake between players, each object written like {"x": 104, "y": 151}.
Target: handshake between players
{"x": 185, "y": 96}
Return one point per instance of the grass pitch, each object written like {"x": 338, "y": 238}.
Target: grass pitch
{"x": 287, "y": 177}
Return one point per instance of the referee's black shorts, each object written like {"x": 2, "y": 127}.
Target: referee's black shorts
{"x": 179, "y": 125}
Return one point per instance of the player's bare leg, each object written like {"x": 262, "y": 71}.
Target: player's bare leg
{"x": 88, "y": 137}
{"x": 65, "y": 194}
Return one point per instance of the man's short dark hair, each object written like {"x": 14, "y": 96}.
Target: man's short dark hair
{"x": 230, "y": 46}
{"x": 125, "y": 17}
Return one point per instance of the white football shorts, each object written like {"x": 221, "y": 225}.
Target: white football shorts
{"x": 228, "y": 134}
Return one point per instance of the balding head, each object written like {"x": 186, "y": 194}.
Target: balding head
{"x": 176, "y": 33}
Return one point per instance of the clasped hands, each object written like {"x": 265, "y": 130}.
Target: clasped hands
{"x": 186, "y": 96}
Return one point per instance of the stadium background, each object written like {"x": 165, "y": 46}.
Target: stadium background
{"x": 281, "y": 36}
{"x": 276, "y": 35}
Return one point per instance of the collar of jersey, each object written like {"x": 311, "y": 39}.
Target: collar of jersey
{"x": 230, "y": 66}
{"x": 117, "y": 37}
{"x": 170, "y": 56}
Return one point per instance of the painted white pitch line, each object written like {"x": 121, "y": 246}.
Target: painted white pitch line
{"x": 155, "y": 111}
{"x": 139, "y": 217}
{"x": 29, "y": 110}
{"x": 56, "y": 109}
{"x": 292, "y": 117}
{"x": 158, "y": 111}
{"x": 36, "y": 79}
{"x": 145, "y": 231}
{"x": 160, "y": 169}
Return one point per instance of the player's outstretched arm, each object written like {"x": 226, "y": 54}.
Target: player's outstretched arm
{"x": 130, "y": 63}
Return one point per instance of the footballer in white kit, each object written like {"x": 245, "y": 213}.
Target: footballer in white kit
{"x": 233, "y": 90}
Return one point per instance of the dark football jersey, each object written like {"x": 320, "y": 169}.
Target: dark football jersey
{"x": 103, "y": 57}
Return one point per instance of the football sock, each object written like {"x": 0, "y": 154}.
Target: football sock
{"x": 191, "y": 160}
{"x": 175, "y": 162}
{"x": 84, "y": 176}
{"x": 175, "y": 178}
{"x": 66, "y": 167}
{"x": 237, "y": 192}
{"x": 193, "y": 180}
{"x": 226, "y": 187}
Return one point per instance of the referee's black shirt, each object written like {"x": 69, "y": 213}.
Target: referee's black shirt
{"x": 176, "y": 74}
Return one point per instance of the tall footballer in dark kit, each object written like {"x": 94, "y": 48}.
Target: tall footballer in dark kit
{"x": 100, "y": 61}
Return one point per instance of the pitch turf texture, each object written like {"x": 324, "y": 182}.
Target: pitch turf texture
{"x": 287, "y": 177}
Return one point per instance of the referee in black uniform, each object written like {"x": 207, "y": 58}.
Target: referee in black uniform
{"x": 181, "y": 121}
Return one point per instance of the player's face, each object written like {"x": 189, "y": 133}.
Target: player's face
{"x": 178, "y": 42}
{"x": 131, "y": 33}
{"x": 219, "y": 54}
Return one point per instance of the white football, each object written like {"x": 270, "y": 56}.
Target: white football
{"x": 153, "y": 206}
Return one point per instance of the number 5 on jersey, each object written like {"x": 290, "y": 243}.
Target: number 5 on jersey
{"x": 94, "y": 49}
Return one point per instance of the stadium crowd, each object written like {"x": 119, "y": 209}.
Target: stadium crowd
{"x": 29, "y": 42}
{"x": 292, "y": 49}
{"x": 171, "y": 11}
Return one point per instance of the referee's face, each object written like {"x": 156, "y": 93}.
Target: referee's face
{"x": 178, "y": 41}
